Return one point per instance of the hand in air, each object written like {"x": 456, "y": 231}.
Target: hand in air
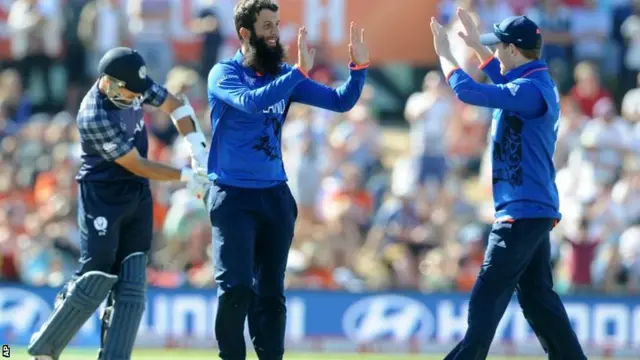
{"x": 440, "y": 39}
{"x": 358, "y": 51}
{"x": 470, "y": 35}
{"x": 305, "y": 55}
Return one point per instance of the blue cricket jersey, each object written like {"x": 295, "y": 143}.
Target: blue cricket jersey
{"x": 524, "y": 131}
{"x": 108, "y": 132}
{"x": 247, "y": 113}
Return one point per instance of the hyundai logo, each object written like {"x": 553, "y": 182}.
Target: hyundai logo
{"x": 22, "y": 312}
{"x": 388, "y": 317}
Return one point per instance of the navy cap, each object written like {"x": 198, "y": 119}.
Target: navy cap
{"x": 517, "y": 30}
{"x": 128, "y": 66}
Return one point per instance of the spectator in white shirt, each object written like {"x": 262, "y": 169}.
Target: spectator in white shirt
{"x": 428, "y": 112}
{"x": 606, "y": 140}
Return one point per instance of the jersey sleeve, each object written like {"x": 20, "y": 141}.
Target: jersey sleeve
{"x": 104, "y": 136}
{"x": 225, "y": 84}
{"x": 156, "y": 95}
{"x": 341, "y": 99}
{"x": 519, "y": 96}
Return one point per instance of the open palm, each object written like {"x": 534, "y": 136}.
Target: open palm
{"x": 471, "y": 35}
{"x": 357, "y": 49}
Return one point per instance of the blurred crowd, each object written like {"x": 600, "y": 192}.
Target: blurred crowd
{"x": 378, "y": 208}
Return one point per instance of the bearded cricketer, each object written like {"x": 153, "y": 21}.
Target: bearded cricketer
{"x": 115, "y": 214}
{"x": 524, "y": 133}
{"x": 251, "y": 207}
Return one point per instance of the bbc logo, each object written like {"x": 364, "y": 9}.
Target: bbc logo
{"x": 6, "y": 351}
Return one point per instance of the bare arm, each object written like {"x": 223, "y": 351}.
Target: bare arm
{"x": 182, "y": 114}
{"x": 146, "y": 168}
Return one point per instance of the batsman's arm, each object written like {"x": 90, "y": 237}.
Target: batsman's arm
{"x": 342, "y": 99}
{"x": 110, "y": 141}
{"x": 225, "y": 83}
{"x": 181, "y": 112}
{"x": 149, "y": 169}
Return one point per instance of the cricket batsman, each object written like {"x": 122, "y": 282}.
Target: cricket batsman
{"x": 115, "y": 205}
{"x": 523, "y": 132}
{"x": 251, "y": 207}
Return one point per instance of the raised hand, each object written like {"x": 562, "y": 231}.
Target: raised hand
{"x": 357, "y": 49}
{"x": 470, "y": 35}
{"x": 305, "y": 55}
{"x": 440, "y": 39}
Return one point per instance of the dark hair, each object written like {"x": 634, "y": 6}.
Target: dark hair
{"x": 246, "y": 12}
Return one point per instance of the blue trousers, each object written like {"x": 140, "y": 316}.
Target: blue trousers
{"x": 518, "y": 259}
{"x": 115, "y": 220}
{"x": 252, "y": 234}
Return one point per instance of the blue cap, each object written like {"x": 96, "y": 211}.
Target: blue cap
{"x": 128, "y": 66}
{"x": 517, "y": 30}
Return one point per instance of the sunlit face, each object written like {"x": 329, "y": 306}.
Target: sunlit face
{"x": 505, "y": 53}
{"x": 267, "y": 27}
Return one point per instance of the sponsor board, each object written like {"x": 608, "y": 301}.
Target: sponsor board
{"x": 335, "y": 320}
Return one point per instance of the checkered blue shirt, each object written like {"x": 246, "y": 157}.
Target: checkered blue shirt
{"x": 108, "y": 133}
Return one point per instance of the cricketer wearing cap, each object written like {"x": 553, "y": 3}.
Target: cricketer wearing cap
{"x": 523, "y": 132}
{"x": 115, "y": 205}
{"x": 251, "y": 208}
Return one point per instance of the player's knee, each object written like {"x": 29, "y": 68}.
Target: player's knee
{"x": 131, "y": 287}
{"x": 227, "y": 280}
{"x": 103, "y": 264}
{"x": 90, "y": 289}
{"x": 272, "y": 304}
{"x": 237, "y": 294}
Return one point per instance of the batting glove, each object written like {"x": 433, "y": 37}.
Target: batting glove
{"x": 198, "y": 151}
{"x": 196, "y": 183}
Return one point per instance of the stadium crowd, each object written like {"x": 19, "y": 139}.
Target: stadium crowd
{"x": 410, "y": 210}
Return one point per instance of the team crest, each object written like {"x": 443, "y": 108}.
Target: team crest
{"x": 100, "y": 224}
{"x": 142, "y": 72}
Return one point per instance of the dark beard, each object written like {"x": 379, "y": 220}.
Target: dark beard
{"x": 262, "y": 57}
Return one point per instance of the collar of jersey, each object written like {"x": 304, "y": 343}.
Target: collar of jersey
{"x": 239, "y": 58}
{"x": 526, "y": 69}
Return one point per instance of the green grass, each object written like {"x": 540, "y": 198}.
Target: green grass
{"x": 164, "y": 354}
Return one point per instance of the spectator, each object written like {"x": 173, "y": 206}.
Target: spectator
{"x": 36, "y": 41}
{"x": 588, "y": 89}
{"x": 148, "y": 20}
{"x": 630, "y": 30}
{"x": 396, "y": 234}
{"x": 606, "y": 140}
{"x": 631, "y": 103}
{"x": 302, "y": 153}
{"x": 428, "y": 113}
{"x": 207, "y": 25}
{"x": 555, "y": 21}
{"x": 591, "y": 28}
{"x": 102, "y": 26}
{"x": 572, "y": 124}
{"x": 75, "y": 55}
{"x": 15, "y": 105}
{"x": 583, "y": 244}
{"x": 467, "y": 139}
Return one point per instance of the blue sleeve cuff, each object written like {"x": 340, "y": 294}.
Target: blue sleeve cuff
{"x": 453, "y": 77}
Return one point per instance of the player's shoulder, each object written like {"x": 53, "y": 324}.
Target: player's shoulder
{"x": 92, "y": 114}
{"x": 225, "y": 69}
